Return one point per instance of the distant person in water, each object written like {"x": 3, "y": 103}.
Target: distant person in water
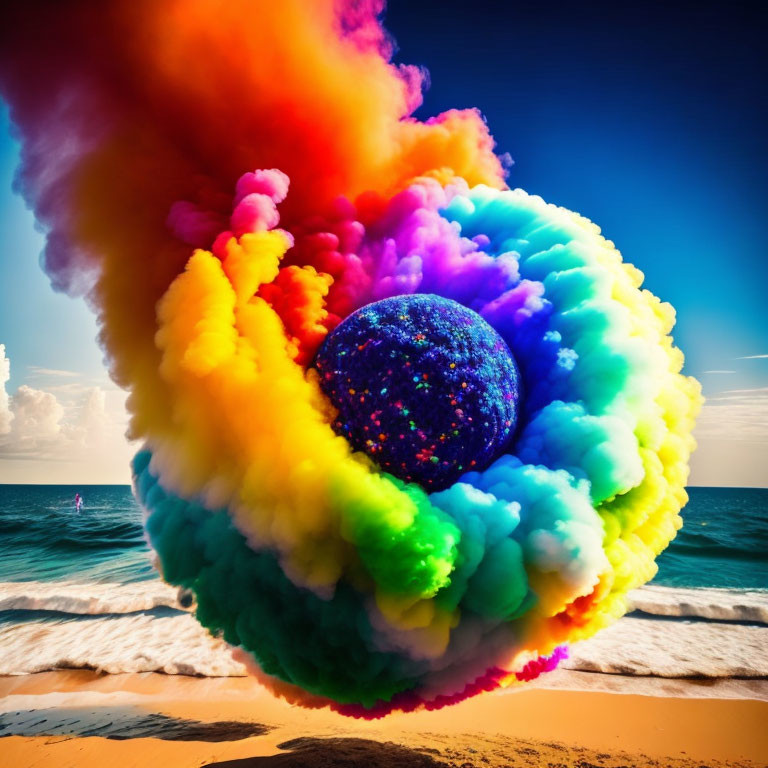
{"x": 78, "y": 502}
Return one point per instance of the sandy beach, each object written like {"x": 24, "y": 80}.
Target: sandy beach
{"x": 118, "y": 672}
{"x": 80, "y": 718}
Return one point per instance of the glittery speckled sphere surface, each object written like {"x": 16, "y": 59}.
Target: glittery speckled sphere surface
{"x": 423, "y": 385}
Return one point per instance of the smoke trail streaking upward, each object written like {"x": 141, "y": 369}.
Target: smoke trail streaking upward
{"x": 144, "y": 127}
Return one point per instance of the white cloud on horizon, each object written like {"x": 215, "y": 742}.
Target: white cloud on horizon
{"x": 738, "y": 414}
{"x": 77, "y": 439}
{"x": 732, "y": 433}
{"x": 6, "y": 415}
{"x": 35, "y": 370}
{"x": 752, "y": 357}
{"x": 36, "y": 415}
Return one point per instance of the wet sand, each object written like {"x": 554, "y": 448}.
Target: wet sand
{"x": 78, "y": 718}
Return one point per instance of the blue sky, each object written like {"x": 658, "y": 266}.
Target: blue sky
{"x": 40, "y": 328}
{"x": 69, "y": 419}
{"x": 647, "y": 119}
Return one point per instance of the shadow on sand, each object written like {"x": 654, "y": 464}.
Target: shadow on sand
{"x": 121, "y": 723}
{"x": 338, "y": 753}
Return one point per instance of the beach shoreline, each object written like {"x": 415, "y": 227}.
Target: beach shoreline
{"x": 103, "y": 663}
{"x": 531, "y": 726}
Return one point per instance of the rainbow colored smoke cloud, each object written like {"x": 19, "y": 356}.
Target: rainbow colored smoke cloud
{"x": 142, "y": 123}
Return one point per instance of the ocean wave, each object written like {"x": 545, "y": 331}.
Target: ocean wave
{"x": 112, "y": 598}
{"x": 123, "y": 634}
{"x": 89, "y": 599}
{"x": 178, "y": 645}
{"x": 174, "y": 645}
{"x": 715, "y": 604}
{"x": 640, "y": 685}
{"x": 694, "y": 538}
{"x": 719, "y": 552}
{"x": 105, "y": 543}
{"x": 650, "y": 647}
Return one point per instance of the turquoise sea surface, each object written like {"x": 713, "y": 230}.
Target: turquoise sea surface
{"x": 79, "y": 590}
{"x": 723, "y": 543}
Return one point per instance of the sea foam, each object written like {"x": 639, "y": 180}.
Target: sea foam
{"x": 143, "y": 627}
{"x": 717, "y": 604}
{"x": 175, "y": 645}
{"x": 87, "y": 599}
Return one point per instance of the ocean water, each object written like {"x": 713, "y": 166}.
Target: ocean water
{"x": 723, "y": 542}
{"x": 79, "y": 589}
{"x": 43, "y": 538}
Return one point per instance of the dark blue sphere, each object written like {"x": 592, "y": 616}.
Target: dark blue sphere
{"x": 423, "y": 385}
